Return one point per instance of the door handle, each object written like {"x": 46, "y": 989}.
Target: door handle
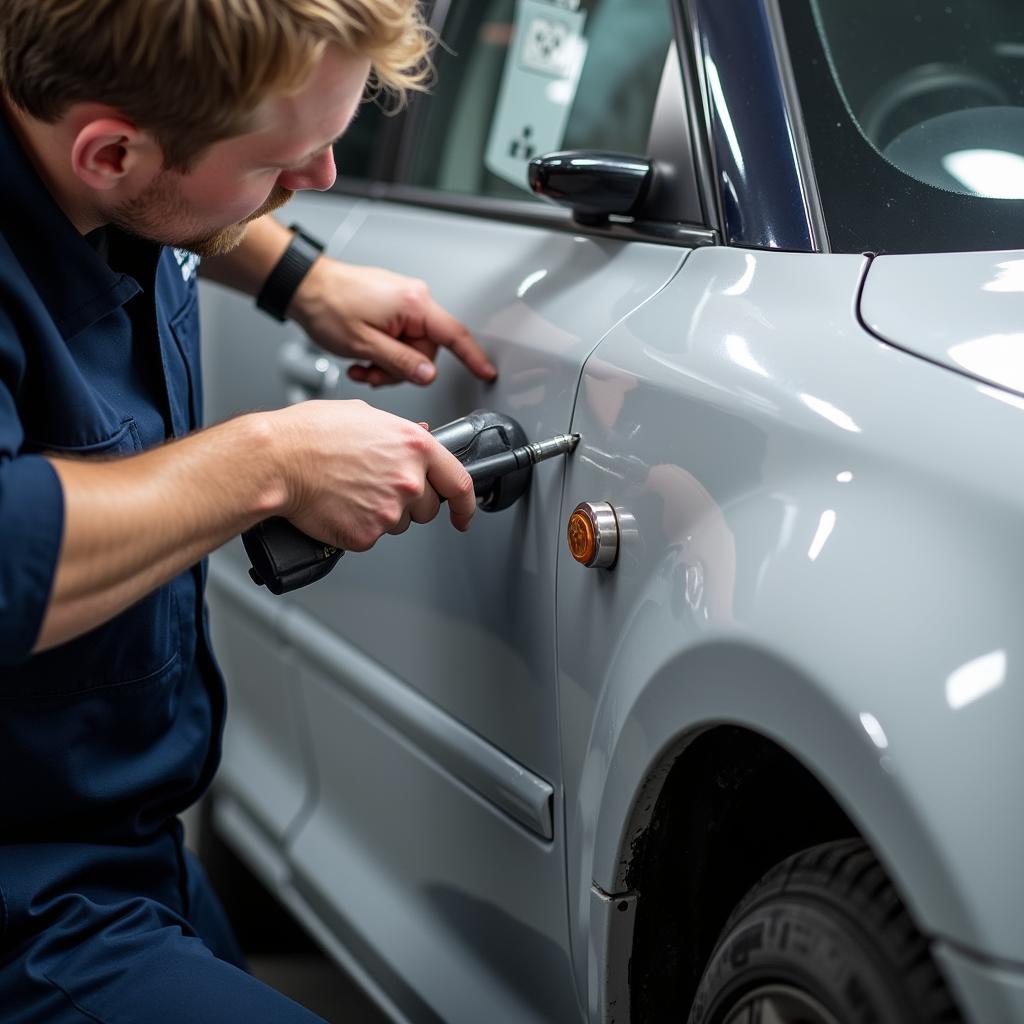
{"x": 308, "y": 372}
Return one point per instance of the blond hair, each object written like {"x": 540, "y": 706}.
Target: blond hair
{"x": 192, "y": 72}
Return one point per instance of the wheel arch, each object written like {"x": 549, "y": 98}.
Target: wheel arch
{"x": 761, "y": 742}
{"x": 731, "y": 804}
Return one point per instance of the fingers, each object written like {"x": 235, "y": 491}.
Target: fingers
{"x": 354, "y": 473}
{"x": 421, "y": 510}
{"x": 394, "y": 360}
{"x": 443, "y": 329}
{"x": 401, "y": 526}
{"x": 371, "y": 375}
{"x": 449, "y": 479}
{"x": 390, "y": 324}
{"x": 424, "y": 509}
{"x": 411, "y": 358}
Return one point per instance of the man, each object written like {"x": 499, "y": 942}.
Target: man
{"x": 129, "y": 125}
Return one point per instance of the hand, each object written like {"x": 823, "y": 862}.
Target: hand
{"x": 388, "y": 322}
{"x": 353, "y": 473}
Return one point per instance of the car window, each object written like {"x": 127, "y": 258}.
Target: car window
{"x": 938, "y": 90}
{"x": 518, "y": 78}
{"x": 355, "y": 153}
{"x": 915, "y": 117}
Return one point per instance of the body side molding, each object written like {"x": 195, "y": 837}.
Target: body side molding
{"x": 488, "y": 771}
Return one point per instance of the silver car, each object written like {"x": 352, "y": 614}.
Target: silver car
{"x": 766, "y": 767}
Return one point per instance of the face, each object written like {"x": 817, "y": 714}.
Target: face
{"x": 240, "y": 179}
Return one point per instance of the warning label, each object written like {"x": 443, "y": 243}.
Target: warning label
{"x": 538, "y": 86}
{"x": 548, "y": 47}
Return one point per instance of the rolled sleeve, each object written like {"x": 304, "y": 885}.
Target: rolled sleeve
{"x": 31, "y": 528}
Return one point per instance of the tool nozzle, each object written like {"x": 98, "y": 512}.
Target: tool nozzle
{"x": 562, "y": 444}
{"x": 494, "y": 466}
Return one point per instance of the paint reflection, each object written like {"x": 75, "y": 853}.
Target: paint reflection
{"x": 692, "y": 523}
{"x": 738, "y": 351}
{"x": 828, "y": 411}
{"x": 724, "y": 117}
{"x": 874, "y": 730}
{"x": 998, "y": 357}
{"x": 976, "y": 678}
{"x": 1009, "y": 277}
{"x": 826, "y": 524}
{"x": 746, "y": 278}
{"x": 529, "y": 281}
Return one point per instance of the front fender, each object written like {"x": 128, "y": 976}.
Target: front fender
{"x": 815, "y": 547}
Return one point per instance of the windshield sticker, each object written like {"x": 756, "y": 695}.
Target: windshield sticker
{"x": 538, "y": 86}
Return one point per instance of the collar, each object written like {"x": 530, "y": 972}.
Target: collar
{"x": 75, "y": 284}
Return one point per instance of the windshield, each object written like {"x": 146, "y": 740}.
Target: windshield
{"x": 915, "y": 116}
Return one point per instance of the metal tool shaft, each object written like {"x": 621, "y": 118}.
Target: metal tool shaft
{"x": 519, "y": 458}
{"x": 561, "y": 444}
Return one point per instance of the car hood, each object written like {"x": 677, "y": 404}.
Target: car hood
{"x": 960, "y": 310}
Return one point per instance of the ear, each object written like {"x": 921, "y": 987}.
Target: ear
{"x": 111, "y": 152}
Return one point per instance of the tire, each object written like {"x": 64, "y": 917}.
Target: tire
{"x": 823, "y": 938}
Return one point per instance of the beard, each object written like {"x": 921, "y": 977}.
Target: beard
{"x": 158, "y": 213}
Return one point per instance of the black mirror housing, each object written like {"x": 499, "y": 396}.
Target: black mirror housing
{"x": 594, "y": 185}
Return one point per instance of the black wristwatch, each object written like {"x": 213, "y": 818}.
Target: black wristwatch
{"x": 283, "y": 281}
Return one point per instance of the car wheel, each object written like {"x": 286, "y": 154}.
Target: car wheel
{"x": 823, "y": 938}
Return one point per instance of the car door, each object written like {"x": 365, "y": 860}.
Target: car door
{"x": 431, "y": 858}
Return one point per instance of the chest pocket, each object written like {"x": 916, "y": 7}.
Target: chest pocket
{"x": 141, "y": 645}
{"x": 124, "y": 440}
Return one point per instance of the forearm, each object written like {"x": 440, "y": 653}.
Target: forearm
{"x": 132, "y": 524}
{"x": 247, "y": 267}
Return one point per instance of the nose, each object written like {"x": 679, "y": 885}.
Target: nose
{"x": 317, "y": 174}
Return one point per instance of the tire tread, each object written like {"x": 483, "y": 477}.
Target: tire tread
{"x": 848, "y": 872}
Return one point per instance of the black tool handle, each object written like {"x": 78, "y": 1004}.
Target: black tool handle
{"x": 284, "y": 558}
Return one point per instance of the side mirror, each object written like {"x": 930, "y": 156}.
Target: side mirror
{"x": 593, "y": 185}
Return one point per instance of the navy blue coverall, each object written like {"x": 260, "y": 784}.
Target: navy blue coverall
{"x": 104, "y": 740}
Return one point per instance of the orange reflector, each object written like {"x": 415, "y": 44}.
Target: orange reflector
{"x": 582, "y": 538}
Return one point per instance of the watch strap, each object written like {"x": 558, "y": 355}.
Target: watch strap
{"x": 283, "y": 281}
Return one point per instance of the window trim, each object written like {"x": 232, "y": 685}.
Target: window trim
{"x": 532, "y": 214}
{"x": 748, "y": 127}
{"x": 688, "y": 43}
{"x": 798, "y": 130}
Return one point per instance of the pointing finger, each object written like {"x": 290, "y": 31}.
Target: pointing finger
{"x": 397, "y": 359}
{"x": 443, "y": 329}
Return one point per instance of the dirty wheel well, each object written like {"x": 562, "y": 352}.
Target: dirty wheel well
{"x": 732, "y": 805}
